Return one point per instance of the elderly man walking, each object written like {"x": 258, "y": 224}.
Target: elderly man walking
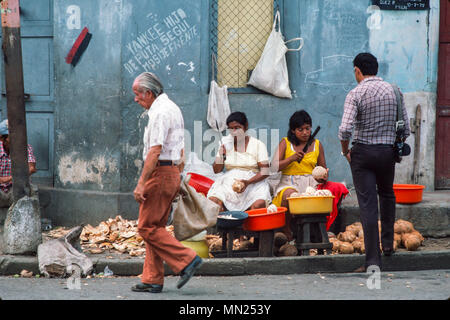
{"x": 370, "y": 112}
{"x": 158, "y": 185}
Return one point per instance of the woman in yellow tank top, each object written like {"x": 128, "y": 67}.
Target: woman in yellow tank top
{"x": 296, "y": 166}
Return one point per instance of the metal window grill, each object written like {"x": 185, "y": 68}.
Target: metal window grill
{"x": 238, "y": 32}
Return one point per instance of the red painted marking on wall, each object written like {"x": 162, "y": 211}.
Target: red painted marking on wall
{"x": 78, "y": 47}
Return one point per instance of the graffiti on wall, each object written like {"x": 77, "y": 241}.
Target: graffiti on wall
{"x": 159, "y": 41}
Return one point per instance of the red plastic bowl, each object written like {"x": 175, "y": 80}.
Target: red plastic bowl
{"x": 200, "y": 183}
{"x": 408, "y": 193}
{"x": 260, "y": 220}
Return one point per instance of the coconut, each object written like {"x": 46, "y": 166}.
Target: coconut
{"x": 310, "y": 191}
{"x": 358, "y": 245}
{"x": 279, "y": 239}
{"x": 336, "y": 244}
{"x": 238, "y": 186}
{"x": 412, "y": 242}
{"x": 272, "y": 208}
{"x": 353, "y": 229}
{"x": 419, "y": 235}
{"x": 403, "y": 226}
{"x": 323, "y": 193}
{"x": 288, "y": 250}
{"x": 320, "y": 173}
{"x": 346, "y": 248}
{"x": 397, "y": 239}
{"x": 346, "y": 236}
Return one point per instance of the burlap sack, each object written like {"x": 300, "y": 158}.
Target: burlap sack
{"x": 193, "y": 212}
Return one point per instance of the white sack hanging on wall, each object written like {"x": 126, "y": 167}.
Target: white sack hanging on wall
{"x": 271, "y": 74}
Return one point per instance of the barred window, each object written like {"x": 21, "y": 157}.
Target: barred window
{"x": 239, "y": 31}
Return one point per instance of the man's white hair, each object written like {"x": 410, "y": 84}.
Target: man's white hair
{"x": 149, "y": 81}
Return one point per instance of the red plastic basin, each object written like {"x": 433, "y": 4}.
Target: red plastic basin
{"x": 408, "y": 193}
{"x": 260, "y": 220}
{"x": 200, "y": 183}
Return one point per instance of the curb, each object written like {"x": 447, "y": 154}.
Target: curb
{"x": 400, "y": 261}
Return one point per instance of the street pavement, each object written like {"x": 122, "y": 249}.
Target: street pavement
{"x": 397, "y": 285}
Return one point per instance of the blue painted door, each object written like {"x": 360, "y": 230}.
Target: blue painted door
{"x": 36, "y": 20}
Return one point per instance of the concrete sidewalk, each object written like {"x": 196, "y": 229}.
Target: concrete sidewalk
{"x": 127, "y": 266}
{"x": 431, "y": 217}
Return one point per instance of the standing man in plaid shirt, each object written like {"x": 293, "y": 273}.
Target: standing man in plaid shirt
{"x": 370, "y": 112}
{"x": 6, "y": 198}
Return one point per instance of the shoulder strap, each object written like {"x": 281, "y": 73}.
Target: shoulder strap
{"x": 399, "y": 102}
{"x": 400, "y": 122}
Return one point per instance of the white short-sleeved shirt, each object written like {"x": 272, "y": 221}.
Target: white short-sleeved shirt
{"x": 166, "y": 128}
{"x": 255, "y": 152}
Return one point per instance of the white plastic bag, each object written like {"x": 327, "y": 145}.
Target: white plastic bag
{"x": 218, "y": 105}
{"x": 270, "y": 73}
{"x": 195, "y": 165}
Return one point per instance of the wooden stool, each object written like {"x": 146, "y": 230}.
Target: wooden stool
{"x": 263, "y": 239}
{"x": 304, "y": 223}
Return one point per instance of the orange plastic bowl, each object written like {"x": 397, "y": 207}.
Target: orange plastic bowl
{"x": 200, "y": 183}
{"x": 260, "y": 220}
{"x": 408, "y": 193}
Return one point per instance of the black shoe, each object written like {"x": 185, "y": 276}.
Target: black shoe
{"x": 147, "y": 287}
{"x": 388, "y": 252}
{"x": 189, "y": 271}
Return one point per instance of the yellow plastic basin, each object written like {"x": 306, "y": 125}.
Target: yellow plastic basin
{"x": 310, "y": 205}
{"x": 200, "y": 247}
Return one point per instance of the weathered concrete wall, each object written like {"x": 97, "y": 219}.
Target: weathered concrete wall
{"x": 87, "y": 117}
{"x": 99, "y": 128}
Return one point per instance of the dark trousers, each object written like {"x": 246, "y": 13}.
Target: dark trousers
{"x": 373, "y": 169}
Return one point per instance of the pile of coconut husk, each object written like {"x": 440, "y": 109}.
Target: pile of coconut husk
{"x": 116, "y": 234}
{"x": 352, "y": 239}
{"x": 113, "y": 235}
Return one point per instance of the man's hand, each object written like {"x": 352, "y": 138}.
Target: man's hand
{"x": 149, "y": 167}
{"x": 348, "y": 157}
{"x": 139, "y": 193}
{"x": 6, "y": 179}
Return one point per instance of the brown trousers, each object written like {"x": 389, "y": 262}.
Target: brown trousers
{"x": 160, "y": 190}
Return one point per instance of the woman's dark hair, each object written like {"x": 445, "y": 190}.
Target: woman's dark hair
{"x": 239, "y": 117}
{"x": 367, "y": 63}
{"x": 298, "y": 119}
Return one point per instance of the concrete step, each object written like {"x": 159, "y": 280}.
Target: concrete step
{"x": 431, "y": 217}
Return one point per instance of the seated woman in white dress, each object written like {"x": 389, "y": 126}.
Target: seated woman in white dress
{"x": 246, "y": 160}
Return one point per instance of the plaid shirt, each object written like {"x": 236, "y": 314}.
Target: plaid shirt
{"x": 5, "y": 165}
{"x": 371, "y": 110}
